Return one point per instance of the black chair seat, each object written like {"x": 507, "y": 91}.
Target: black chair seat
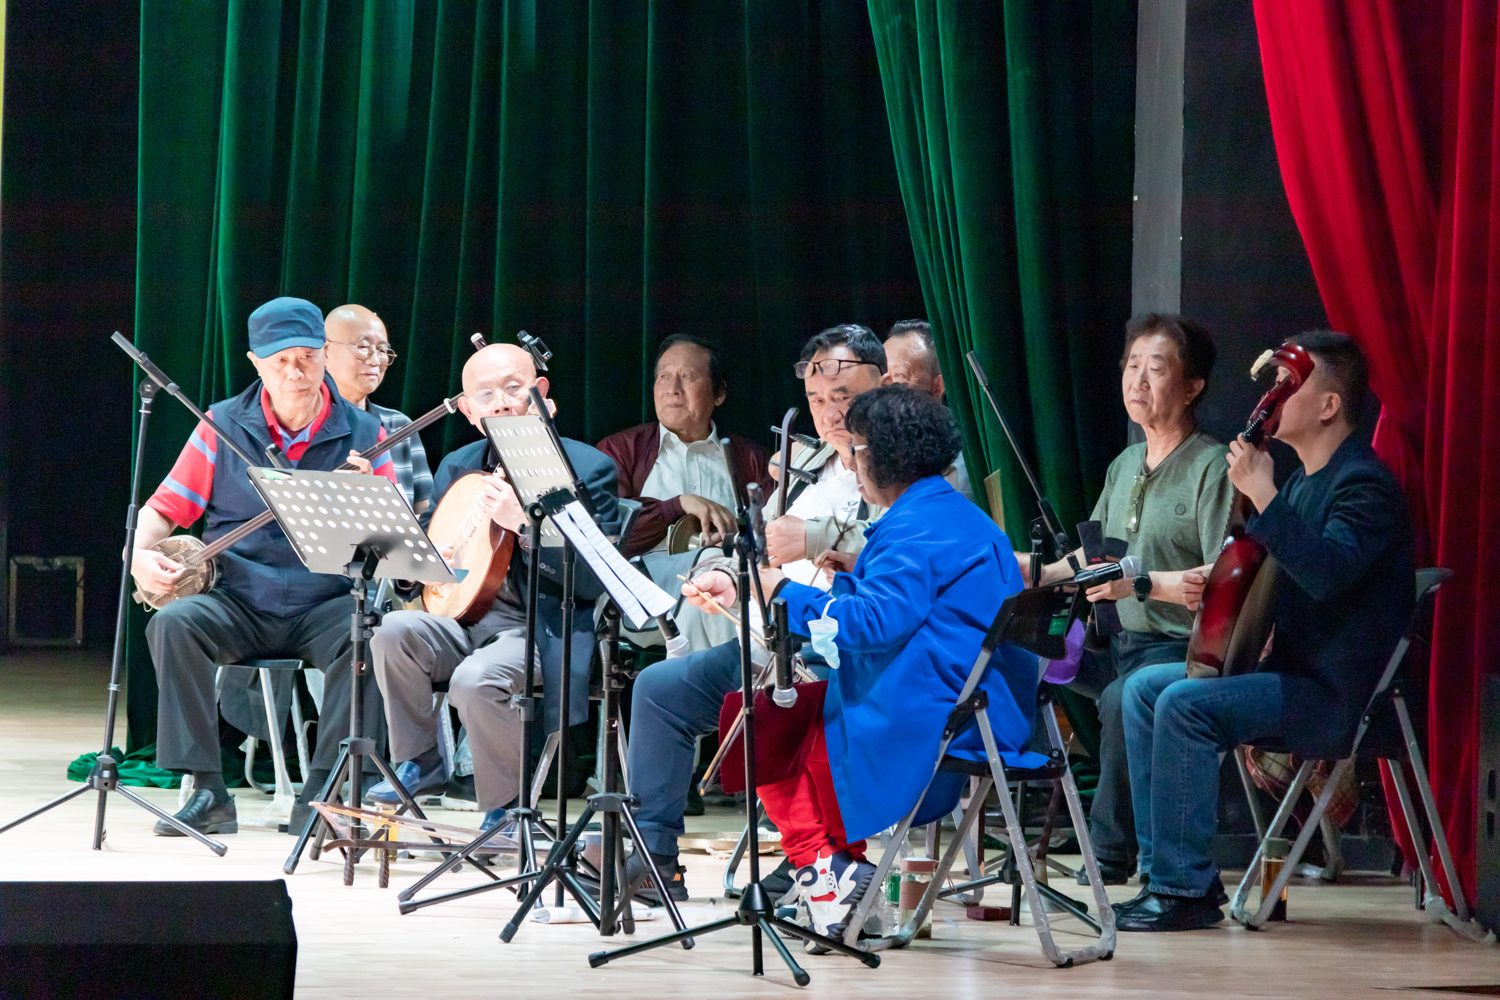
{"x": 981, "y": 769}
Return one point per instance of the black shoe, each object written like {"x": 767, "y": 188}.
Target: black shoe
{"x": 460, "y": 794}
{"x": 694, "y": 805}
{"x": 1168, "y": 913}
{"x": 1215, "y": 894}
{"x": 644, "y": 888}
{"x": 1110, "y": 872}
{"x": 203, "y": 814}
{"x": 779, "y": 882}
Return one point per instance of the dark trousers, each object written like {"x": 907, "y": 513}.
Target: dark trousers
{"x": 674, "y": 702}
{"x": 190, "y": 637}
{"x": 1103, "y": 675}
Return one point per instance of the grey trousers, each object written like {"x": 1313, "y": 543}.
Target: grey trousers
{"x": 413, "y": 649}
{"x": 192, "y": 636}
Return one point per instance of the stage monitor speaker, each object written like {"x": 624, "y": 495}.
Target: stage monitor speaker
{"x": 153, "y": 940}
{"x": 1487, "y": 844}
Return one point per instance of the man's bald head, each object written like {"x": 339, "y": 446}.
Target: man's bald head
{"x": 497, "y": 381}
{"x": 358, "y": 351}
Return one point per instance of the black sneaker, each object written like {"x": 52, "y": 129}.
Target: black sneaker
{"x": 203, "y": 814}
{"x": 779, "y": 882}
{"x": 639, "y": 877}
{"x": 460, "y": 794}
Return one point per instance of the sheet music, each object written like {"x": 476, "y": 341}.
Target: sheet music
{"x": 639, "y": 599}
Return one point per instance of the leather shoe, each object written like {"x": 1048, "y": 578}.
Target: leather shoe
{"x": 1110, "y": 872}
{"x": 1168, "y": 913}
{"x": 203, "y": 814}
{"x": 1215, "y": 894}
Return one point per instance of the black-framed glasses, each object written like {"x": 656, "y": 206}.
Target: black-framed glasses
{"x": 364, "y": 350}
{"x": 828, "y": 368}
{"x": 1137, "y": 502}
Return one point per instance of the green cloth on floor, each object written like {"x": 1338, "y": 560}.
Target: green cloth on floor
{"x": 139, "y": 768}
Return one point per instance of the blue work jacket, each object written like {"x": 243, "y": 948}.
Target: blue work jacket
{"x": 912, "y": 616}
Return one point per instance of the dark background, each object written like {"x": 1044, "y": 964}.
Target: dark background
{"x": 67, "y": 260}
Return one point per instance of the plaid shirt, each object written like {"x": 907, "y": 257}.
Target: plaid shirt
{"x": 409, "y": 457}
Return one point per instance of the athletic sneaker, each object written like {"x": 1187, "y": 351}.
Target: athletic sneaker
{"x": 831, "y": 887}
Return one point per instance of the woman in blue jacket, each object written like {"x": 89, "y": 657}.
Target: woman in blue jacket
{"x": 908, "y": 622}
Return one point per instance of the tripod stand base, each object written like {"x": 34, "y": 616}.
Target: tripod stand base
{"x": 755, "y": 911}
{"x": 105, "y": 778}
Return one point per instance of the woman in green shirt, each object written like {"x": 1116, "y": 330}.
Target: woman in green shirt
{"x": 1168, "y": 497}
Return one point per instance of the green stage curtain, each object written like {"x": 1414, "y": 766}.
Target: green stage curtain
{"x": 601, "y": 174}
{"x": 1012, "y": 124}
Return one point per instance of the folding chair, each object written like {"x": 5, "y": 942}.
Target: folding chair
{"x": 999, "y": 770}
{"x": 1391, "y": 687}
{"x": 282, "y": 792}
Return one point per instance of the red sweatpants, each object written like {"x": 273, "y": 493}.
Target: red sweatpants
{"x": 805, "y": 809}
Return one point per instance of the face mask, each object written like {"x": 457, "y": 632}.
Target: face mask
{"x": 823, "y": 631}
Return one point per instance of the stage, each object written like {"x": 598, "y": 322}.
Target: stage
{"x": 1347, "y": 940}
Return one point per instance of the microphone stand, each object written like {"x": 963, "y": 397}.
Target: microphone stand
{"x": 105, "y": 775}
{"x": 756, "y": 910}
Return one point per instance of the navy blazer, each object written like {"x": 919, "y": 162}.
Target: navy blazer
{"x": 597, "y": 470}
{"x": 1343, "y": 545}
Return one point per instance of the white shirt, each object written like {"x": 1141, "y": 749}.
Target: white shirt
{"x": 700, "y": 468}
{"x": 836, "y": 495}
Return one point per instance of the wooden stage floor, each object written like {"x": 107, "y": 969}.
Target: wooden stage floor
{"x": 1361, "y": 939}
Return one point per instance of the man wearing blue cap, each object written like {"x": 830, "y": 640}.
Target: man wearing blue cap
{"x": 266, "y": 603}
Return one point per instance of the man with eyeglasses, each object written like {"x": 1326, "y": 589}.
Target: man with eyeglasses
{"x": 484, "y": 663}
{"x": 358, "y": 356}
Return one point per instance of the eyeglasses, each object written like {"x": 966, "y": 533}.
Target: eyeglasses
{"x": 364, "y": 350}
{"x": 827, "y": 368}
{"x": 486, "y": 398}
{"x": 1137, "y": 502}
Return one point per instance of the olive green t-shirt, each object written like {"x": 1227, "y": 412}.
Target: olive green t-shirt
{"x": 1184, "y": 511}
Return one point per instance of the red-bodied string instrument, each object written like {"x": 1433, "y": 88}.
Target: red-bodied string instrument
{"x": 1234, "y": 617}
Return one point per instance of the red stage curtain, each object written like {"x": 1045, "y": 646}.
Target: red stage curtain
{"x": 1385, "y": 126}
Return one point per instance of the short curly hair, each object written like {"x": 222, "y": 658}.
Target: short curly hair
{"x": 910, "y": 435}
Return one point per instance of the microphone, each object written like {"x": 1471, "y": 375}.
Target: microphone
{"x": 1127, "y": 568}
{"x": 677, "y": 645}
{"x": 784, "y": 694}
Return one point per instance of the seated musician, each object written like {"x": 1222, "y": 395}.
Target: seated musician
{"x": 910, "y": 618}
{"x": 912, "y": 358}
{"x": 1339, "y": 532}
{"x": 484, "y": 663}
{"x": 1168, "y": 498}
{"x": 359, "y": 359}
{"x": 680, "y": 465}
{"x": 266, "y": 603}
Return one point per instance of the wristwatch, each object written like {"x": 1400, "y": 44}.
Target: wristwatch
{"x": 1143, "y": 586}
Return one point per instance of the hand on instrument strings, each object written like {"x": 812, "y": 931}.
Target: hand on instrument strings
{"x": 361, "y": 465}
{"x": 1250, "y": 470}
{"x": 1193, "y": 581}
{"x": 153, "y": 571}
{"x": 717, "y": 520}
{"x": 447, "y": 550}
{"x": 501, "y": 503}
{"x": 786, "y": 540}
{"x": 831, "y": 562}
{"x": 711, "y": 591}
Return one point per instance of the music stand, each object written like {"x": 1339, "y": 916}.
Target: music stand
{"x": 347, "y": 524}
{"x": 532, "y": 457}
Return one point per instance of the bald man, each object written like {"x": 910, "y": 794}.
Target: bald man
{"x": 358, "y": 357}
{"x": 912, "y": 356}
{"x": 484, "y": 663}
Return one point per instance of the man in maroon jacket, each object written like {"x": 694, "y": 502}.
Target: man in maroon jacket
{"x": 681, "y": 464}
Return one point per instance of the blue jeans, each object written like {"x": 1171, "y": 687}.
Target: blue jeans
{"x": 674, "y": 702}
{"x": 1175, "y": 729}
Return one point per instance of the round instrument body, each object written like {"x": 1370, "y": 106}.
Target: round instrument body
{"x": 481, "y": 556}
{"x": 198, "y": 577}
{"x": 1234, "y": 620}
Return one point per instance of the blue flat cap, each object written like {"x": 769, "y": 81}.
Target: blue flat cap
{"x": 285, "y": 322}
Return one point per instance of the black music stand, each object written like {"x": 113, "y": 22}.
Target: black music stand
{"x": 641, "y": 601}
{"x": 531, "y": 455}
{"x": 346, "y": 524}
{"x": 756, "y": 910}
